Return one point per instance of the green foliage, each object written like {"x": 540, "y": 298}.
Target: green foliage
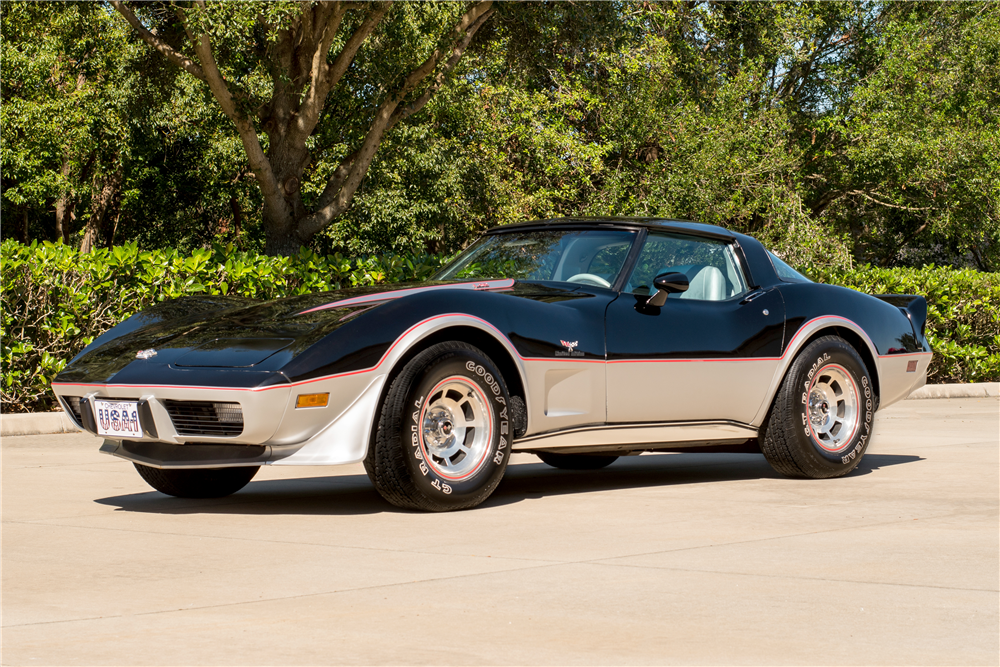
{"x": 836, "y": 132}
{"x": 963, "y": 314}
{"x": 909, "y": 166}
{"x": 86, "y": 109}
{"x": 56, "y": 300}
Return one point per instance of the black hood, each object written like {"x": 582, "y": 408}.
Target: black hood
{"x": 205, "y": 332}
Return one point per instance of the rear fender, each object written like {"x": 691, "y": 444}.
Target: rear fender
{"x": 913, "y": 306}
{"x": 801, "y": 338}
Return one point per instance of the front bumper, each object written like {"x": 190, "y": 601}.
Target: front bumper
{"x": 274, "y": 430}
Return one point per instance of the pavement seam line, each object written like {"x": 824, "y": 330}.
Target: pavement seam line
{"x": 795, "y": 577}
{"x": 287, "y": 597}
{"x": 764, "y": 539}
{"x": 308, "y": 544}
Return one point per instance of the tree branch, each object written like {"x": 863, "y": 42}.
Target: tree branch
{"x": 325, "y": 77}
{"x": 388, "y": 115}
{"x": 273, "y": 197}
{"x": 457, "y": 50}
{"x": 336, "y": 180}
{"x": 346, "y": 55}
{"x": 153, "y": 40}
{"x": 319, "y": 87}
{"x": 882, "y": 203}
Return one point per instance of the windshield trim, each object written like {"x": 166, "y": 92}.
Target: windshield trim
{"x": 630, "y": 259}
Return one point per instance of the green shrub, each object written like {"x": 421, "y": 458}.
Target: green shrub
{"x": 963, "y": 314}
{"x": 57, "y": 300}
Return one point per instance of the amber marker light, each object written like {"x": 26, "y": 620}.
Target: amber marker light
{"x": 312, "y": 400}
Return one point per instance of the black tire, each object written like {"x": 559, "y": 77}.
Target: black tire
{"x": 577, "y": 461}
{"x": 431, "y": 409}
{"x": 809, "y": 431}
{"x": 197, "y": 482}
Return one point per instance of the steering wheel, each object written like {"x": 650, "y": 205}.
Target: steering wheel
{"x": 589, "y": 279}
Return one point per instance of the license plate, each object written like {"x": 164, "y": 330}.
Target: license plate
{"x": 118, "y": 418}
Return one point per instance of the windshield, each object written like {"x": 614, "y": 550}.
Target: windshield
{"x": 590, "y": 257}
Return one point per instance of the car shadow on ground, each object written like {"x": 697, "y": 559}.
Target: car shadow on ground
{"x": 630, "y": 472}
{"x": 354, "y": 494}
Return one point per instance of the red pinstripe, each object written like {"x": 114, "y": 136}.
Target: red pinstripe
{"x": 790, "y": 347}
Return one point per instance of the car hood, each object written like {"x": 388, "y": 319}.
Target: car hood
{"x": 212, "y": 332}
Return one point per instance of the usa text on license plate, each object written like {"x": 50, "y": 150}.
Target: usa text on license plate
{"x": 118, "y": 418}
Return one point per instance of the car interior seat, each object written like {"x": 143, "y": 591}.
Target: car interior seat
{"x": 707, "y": 284}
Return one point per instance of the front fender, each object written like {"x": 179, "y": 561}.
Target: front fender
{"x": 345, "y": 437}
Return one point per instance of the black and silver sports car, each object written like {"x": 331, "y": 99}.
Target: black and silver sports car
{"x": 579, "y": 340}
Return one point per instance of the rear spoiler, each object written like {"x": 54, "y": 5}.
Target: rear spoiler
{"x": 913, "y": 306}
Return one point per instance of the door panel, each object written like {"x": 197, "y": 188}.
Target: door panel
{"x": 690, "y": 359}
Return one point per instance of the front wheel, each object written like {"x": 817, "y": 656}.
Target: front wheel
{"x": 197, "y": 482}
{"x": 444, "y": 432}
{"x": 821, "y": 421}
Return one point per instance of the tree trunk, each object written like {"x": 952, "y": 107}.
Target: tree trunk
{"x": 304, "y": 71}
{"x": 278, "y": 239}
{"x": 64, "y": 207}
{"x": 109, "y": 239}
{"x": 288, "y": 159}
{"x": 105, "y": 194}
{"x": 234, "y": 206}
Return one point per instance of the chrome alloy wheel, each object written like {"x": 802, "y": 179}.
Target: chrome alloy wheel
{"x": 456, "y": 428}
{"x": 832, "y": 407}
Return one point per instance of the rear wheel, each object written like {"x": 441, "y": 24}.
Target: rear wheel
{"x": 577, "y": 461}
{"x": 444, "y": 431}
{"x": 822, "y": 418}
{"x": 197, "y": 482}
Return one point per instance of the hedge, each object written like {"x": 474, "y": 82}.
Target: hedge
{"x": 56, "y": 300}
{"x": 963, "y": 314}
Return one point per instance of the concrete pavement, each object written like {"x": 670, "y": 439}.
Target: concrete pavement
{"x": 659, "y": 559}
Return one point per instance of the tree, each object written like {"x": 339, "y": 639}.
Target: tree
{"x": 911, "y": 164}
{"x": 272, "y": 68}
{"x": 63, "y": 116}
{"x": 90, "y": 125}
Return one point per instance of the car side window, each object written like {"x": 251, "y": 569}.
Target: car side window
{"x": 710, "y": 266}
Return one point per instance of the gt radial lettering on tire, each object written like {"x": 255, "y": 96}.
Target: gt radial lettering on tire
{"x": 442, "y": 437}
{"x": 821, "y": 420}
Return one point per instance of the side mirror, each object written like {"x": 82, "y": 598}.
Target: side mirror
{"x": 666, "y": 284}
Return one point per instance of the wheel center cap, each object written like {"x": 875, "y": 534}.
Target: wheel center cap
{"x": 439, "y": 428}
{"x": 819, "y": 408}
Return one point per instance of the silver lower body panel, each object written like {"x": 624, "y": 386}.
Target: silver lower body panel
{"x": 638, "y": 437}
